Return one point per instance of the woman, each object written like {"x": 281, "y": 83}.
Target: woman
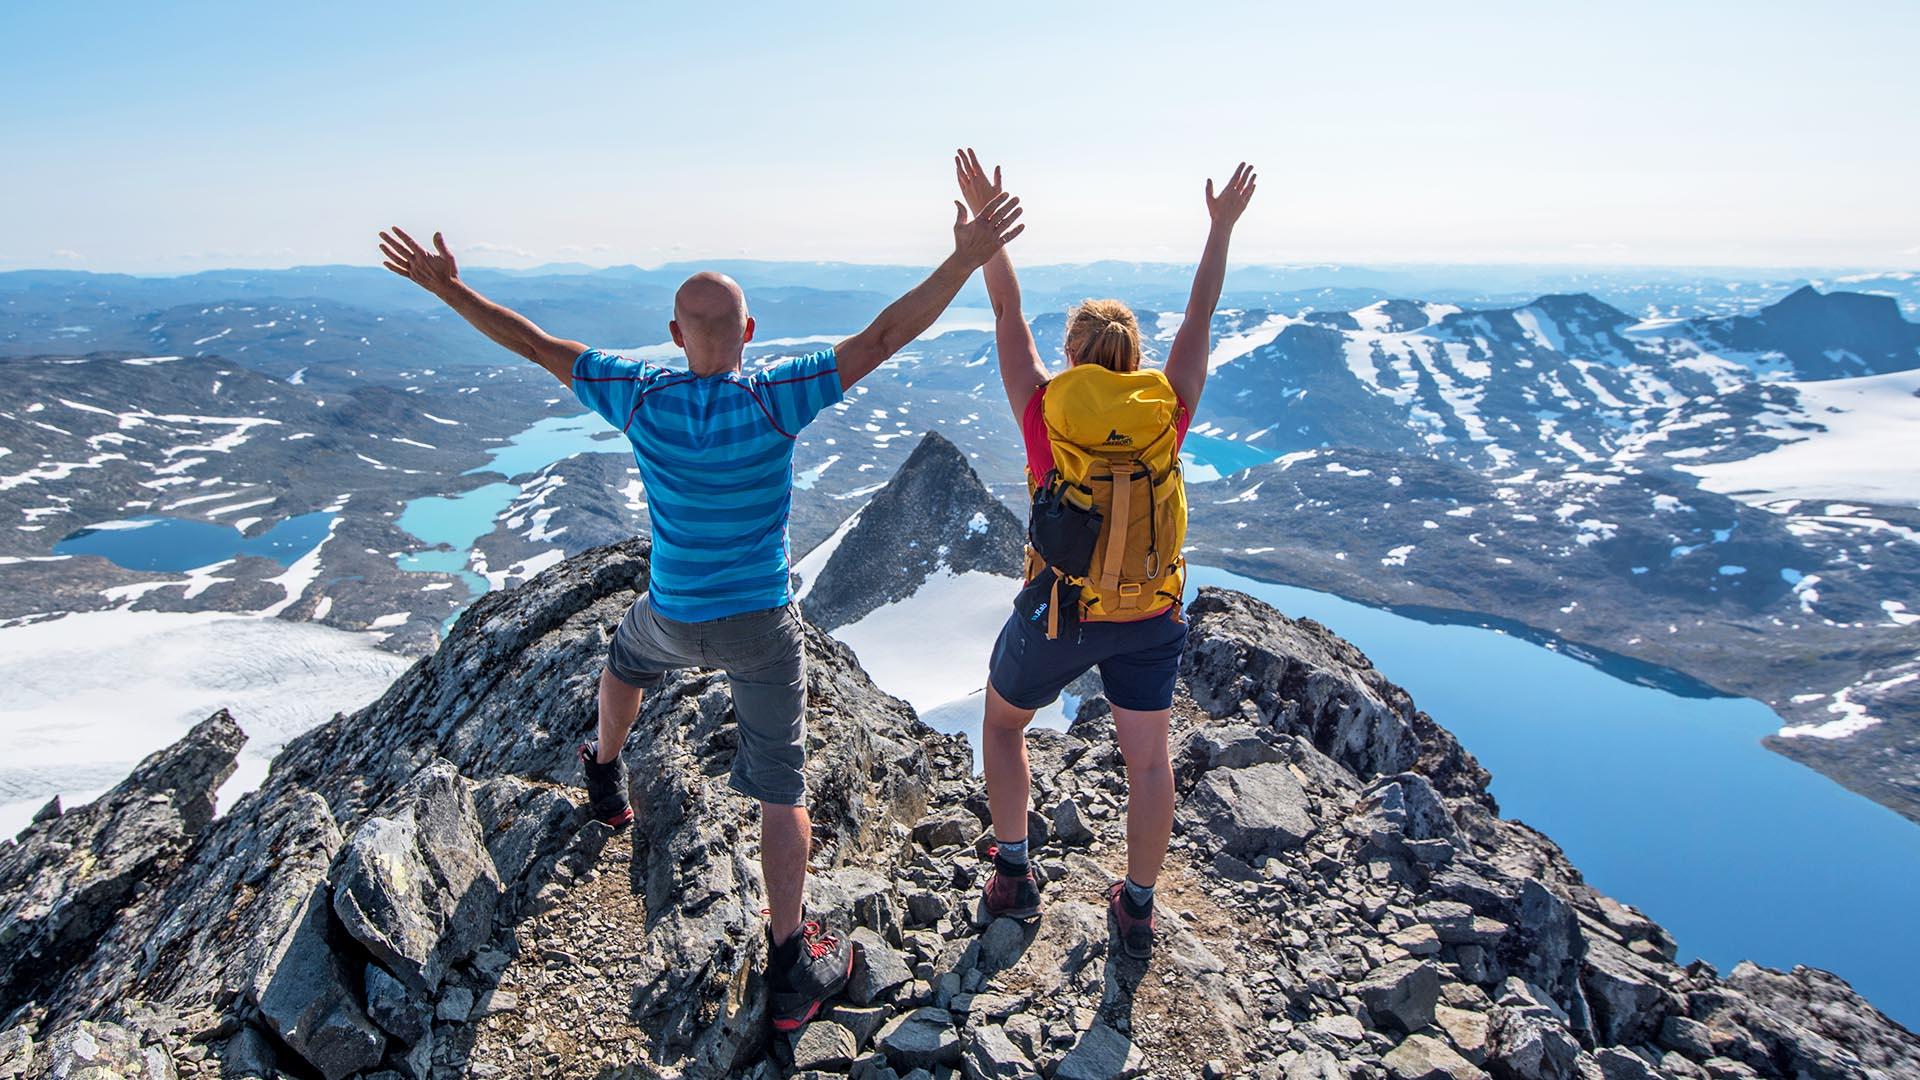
{"x": 1104, "y": 573}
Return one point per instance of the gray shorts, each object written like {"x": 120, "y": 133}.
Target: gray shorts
{"x": 765, "y": 663}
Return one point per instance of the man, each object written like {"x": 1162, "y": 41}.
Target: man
{"x": 715, "y": 451}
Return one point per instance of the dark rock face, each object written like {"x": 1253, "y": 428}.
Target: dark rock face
{"x": 883, "y": 557}
{"x": 412, "y": 893}
{"x": 64, "y": 881}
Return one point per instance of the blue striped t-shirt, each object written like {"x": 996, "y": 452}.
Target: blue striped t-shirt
{"x": 716, "y": 456}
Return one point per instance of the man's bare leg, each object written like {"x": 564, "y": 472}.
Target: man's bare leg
{"x": 1143, "y": 743}
{"x": 1003, "y": 757}
{"x": 786, "y": 839}
{"x": 619, "y": 705}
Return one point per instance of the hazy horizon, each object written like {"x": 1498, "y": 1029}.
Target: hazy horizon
{"x": 163, "y": 140}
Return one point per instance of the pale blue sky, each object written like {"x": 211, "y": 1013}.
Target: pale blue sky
{"x": 169, "y": 137}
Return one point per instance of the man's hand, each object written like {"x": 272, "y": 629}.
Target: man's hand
{"x": 1226, "y": 208}
{"x": 433, "y": 272}
{"x": 975, "y": 240}
{"x": 436, "y": 272}
{"x": 974, "y": 185}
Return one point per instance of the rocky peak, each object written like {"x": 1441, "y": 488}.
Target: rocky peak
{"x": 934, "y": 515}
{"x": 413, "y": 893}
{"x": 1825, "y": 335}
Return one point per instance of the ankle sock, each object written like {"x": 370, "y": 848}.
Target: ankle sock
{"x": 1139, "y": 898}
{"x": 782, "y": 954}
{"x": 1011, "y": 852}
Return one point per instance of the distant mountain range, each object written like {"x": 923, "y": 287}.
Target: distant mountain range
{"x": 1702, "y": 473}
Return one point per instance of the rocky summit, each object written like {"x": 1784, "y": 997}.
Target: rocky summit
{"x": 413, "y": 892}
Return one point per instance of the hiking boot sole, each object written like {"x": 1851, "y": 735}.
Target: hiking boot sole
{"x": 982, "y": 918}
{"x": 618, "y": 821}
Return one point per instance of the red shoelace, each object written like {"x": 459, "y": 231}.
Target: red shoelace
{"x": 819, "y": 943}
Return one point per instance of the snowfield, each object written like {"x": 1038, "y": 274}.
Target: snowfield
{"x": 1867, "y": 451}
{"x": 83, "y": 698}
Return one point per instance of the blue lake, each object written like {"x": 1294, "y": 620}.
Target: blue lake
{"x": 171, "y": 545}
{"x": 459, "y": 520}
{"x": 1665, "y": 802}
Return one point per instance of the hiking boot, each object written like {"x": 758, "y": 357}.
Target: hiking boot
{"x": 816, "y": 968}
{"x": 1135, "y": 931}
{"x": 1013, "y": 892}
{"x": 606, "y": 786}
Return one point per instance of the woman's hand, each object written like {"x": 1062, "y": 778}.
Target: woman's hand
{"x": 1226, "y": 208}
{"x": 974, "y": 185}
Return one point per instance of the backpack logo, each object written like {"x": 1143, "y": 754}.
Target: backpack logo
{"x": 1114, "y": 438}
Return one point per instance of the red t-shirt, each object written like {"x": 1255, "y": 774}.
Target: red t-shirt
{"x": 1033, "y": 430}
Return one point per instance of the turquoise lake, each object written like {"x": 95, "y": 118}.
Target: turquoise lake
{"x": 1665, "y": 802}
{"x": 459, "y": 520}
{"x": 172, "y": 545}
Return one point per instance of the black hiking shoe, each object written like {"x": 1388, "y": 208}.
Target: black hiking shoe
{"x": 606, "y": 786}
{"x": 801, "y": 975}
{"x": 1134, "y": 931}
{"x": 1013, "y": 892}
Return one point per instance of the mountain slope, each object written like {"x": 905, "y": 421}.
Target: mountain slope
{"x": 1341, "y": 898}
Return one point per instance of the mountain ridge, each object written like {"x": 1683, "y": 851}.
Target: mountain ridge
{"x": 1342, "y": 898}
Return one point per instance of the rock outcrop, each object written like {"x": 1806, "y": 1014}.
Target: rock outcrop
{"x": 411, "y": 893}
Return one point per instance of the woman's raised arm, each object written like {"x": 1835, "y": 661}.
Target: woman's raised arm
{"x": 1021, "y": 371}
{"x": 1187, "y": 359}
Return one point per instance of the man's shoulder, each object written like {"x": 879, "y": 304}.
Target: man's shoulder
{"x": 799, "y": 369}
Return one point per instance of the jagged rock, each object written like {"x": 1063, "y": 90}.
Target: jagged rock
{"x": 934, "y": 513}
{"x": 16, "y": 1053}
{"x": 1618, "y": 1064}
{"x": 1422, "y": 1057}
{"x": 66, "y": 879}
{"x": 418, "y": 888}
{"x": 1254, "y": 812}
{"x": 1001, "y": 944}
{"x": 1227, "y": 746}
{"x": 1625, "y": 992}
{"x": 1305, "y": 680}
{"x": 1465, "y": 1029}
{"x": 399, "y": 1010}
{"x": 247, "y": 1056}
{"x": 102, "y": 1051}
{"x": 1689, "y": 1036}
{"x": 861, "y": 1020}
{"x": 305, "y": 995}
{"x": 1401, "y": 996}
{"x": 1101, "y": 1054}
{"x": 1529, "y": 1046}
{"x": 525, "y": 825}
{"x": 881, "y": 971}
{"x": 949, "y": 829}
{"x": 824, "y": 1045}
{"x": 991, "y": 1055}
{"x": 1069, "y": 827}
{"x": 921, "y": 1039}
{"x": 1823, "y": 1004}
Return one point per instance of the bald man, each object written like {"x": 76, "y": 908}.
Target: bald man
{"x": 715, "y": 451}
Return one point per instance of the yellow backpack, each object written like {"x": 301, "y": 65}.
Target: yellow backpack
{"x": 1109, "y": 522}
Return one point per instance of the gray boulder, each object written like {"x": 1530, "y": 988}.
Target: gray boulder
{"x": 1423, "y": 1057}
{"x": 418, "y": 888}
{"x": 991, "y": 1055}
{"x": 921, "y": 1039}
{"x": 1249, "y": 813}
{"x": 306, "y": 995}
{"x": 824, "y": 1045}
{"x": 1101, "y": 1054}
{"x": 1625, "y": 992}
{"x": 87, "y": 1050}
{"x": 1527, "y": 1044}
{"x": 1401, "y": 996}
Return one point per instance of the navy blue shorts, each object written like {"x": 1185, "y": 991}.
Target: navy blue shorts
{"x": 1138, "y": 661}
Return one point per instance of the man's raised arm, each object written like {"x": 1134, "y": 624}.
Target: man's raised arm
{"x": 436, "y": 272}
{"x": 974, "y": 242}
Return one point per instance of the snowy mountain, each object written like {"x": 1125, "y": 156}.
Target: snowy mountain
{"x": 928, "y": 566}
